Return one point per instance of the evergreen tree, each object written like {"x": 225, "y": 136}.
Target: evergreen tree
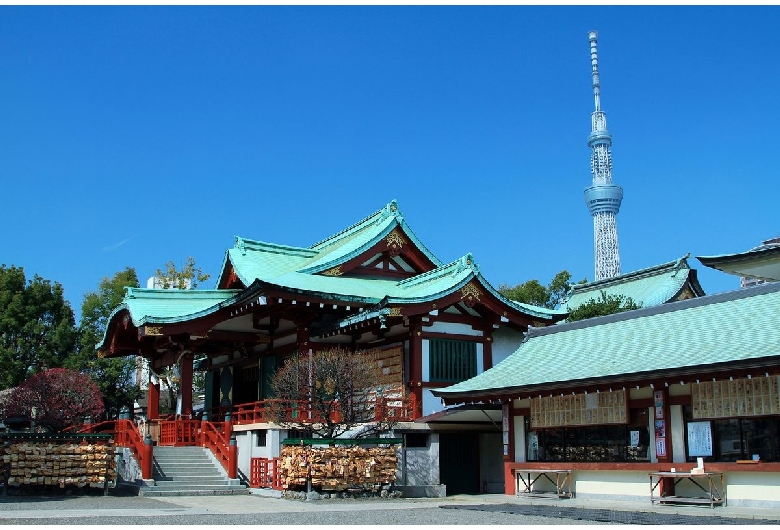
{"x": 114, "y": 376}
{"x": 607, "y": 304}
{"x": 37, "y": 326}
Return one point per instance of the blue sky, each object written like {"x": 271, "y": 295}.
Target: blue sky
{"x": 130, "y": 136}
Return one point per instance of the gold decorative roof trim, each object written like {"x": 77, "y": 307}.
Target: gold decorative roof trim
{"x": 470, "y": 291}
{"x": 395, "y": 238}
{"x": 153, "y": 331}
{"x": 335, "y": 271}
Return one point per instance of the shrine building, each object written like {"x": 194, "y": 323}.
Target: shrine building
{"x": 373, "y": 286}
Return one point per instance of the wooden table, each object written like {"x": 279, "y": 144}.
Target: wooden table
{"x": 715, "y": 490}
{"x": 562, "y": 480}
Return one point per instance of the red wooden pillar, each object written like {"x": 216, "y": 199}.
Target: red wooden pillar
{"x": 487, "y": 351}
{"x": 415, "y": 364}
{"x": 153, "y": 398}
{"x": 186, "y": 384}
{"x": 663, "y": 434}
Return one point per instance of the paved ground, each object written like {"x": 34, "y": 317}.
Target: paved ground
{"x": 455, "y": 510}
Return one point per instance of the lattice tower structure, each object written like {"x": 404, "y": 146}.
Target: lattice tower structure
{"x": 603, "y": 197}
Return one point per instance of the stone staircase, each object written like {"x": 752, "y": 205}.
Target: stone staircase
{"x": 179, "y": 471}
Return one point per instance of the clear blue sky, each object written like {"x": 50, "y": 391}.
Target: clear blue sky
{"x": 130, "y": 136}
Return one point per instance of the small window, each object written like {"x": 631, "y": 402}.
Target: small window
{"x": 452, "y": 361}
{"x": 416, "y": 440}
{"x": 262, "y": 436}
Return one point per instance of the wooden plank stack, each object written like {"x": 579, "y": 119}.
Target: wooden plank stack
{"x": 337, "y": 468}
{"x": 58, "y": 464}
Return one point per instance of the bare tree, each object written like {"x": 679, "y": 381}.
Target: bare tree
{"x": 329, "y": 393}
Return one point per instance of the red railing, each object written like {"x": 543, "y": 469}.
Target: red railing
{"x": 264, "y": 473}
{"x": 218, "y": 441}
{"x": 386, "y": 408}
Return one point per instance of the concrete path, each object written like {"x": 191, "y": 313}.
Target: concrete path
{"x": 82, "y": 507}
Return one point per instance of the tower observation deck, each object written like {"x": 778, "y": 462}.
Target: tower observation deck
{"x": 603, "y": 197}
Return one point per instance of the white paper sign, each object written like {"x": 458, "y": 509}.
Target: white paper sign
{"x": 634, "y": 438}
{"x": 699, "y": 438}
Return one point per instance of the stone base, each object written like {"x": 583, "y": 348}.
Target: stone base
{"x": 423, "y": 491}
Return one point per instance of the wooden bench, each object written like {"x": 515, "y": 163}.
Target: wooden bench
{"x": 524, "y": 481}
{"x": 715, "y": 490}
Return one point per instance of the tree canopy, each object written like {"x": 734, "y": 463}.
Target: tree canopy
{"x": 55, "y": 399}
{"x": 534, "y": 293}
{"x": 114, "y": 377}
{"x": 606, "y": 304}
{"x": 187, "y": 278}
{"x": 171, "y": 278}
{"x": 37, "y": 326}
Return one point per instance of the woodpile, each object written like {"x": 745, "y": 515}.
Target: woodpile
{"x": 58, "y": 464}
{"x": 337, "y": 468}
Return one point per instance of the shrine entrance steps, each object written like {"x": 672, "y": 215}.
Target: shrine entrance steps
{"x": 179, "y": 471}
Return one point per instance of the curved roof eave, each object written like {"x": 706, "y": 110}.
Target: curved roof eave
{"x": 221, "y": 298}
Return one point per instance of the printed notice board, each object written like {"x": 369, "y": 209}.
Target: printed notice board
{"x": 699, "y": 438}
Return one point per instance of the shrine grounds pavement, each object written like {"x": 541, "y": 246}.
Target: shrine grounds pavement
{"x": 266, "y": 508}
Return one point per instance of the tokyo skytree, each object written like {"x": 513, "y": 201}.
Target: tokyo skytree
{"x": 603, "y": 198}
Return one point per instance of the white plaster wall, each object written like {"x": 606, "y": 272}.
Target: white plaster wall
{"x": 615, "y": 484}
{"x": 505, "y": 343}
{"x": 752, "y": 489}
{"x": 246, "y": 442}
{"x": 519, "y": 430}
{"x": 456, "y": 329}
{"x": 678, "y": 429}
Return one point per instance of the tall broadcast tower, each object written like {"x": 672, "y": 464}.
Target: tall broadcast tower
{"x": 602, "y": 197}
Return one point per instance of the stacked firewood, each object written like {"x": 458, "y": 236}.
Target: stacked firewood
{"x": 50, "y": 464}
{"x": 337, "y": 468}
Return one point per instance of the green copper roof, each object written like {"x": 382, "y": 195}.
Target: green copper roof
{"x": 264, "y": 267}
{"x": 648, "y": 287}
{"x": 359, "y": 237}
{"x": 253, "y": 260}
{"x": 158, "y": 306}
{"x": 711, "y": 330}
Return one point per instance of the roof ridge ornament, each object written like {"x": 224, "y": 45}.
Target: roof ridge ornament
{"x": 241, "y": 245}
{"x": 391, "y": 210}
{"x": 467, "y": 262}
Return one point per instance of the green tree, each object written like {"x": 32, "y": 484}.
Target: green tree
{"x": 37, "y": 326}
{"x": 534, "y": 293}
{"x": 187, "y": 278}
{"x": 607, "y": 304}
{"x": 114, "y": 376}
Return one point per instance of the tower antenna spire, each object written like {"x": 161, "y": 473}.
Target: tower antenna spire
{"x": 603, "y": 198}
{"x": 594, "y": 66}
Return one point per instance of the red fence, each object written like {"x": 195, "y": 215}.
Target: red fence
{"x": 180, "y": 432}
{"x": 398, "y": 407}
{"x": 264, "y": 473}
